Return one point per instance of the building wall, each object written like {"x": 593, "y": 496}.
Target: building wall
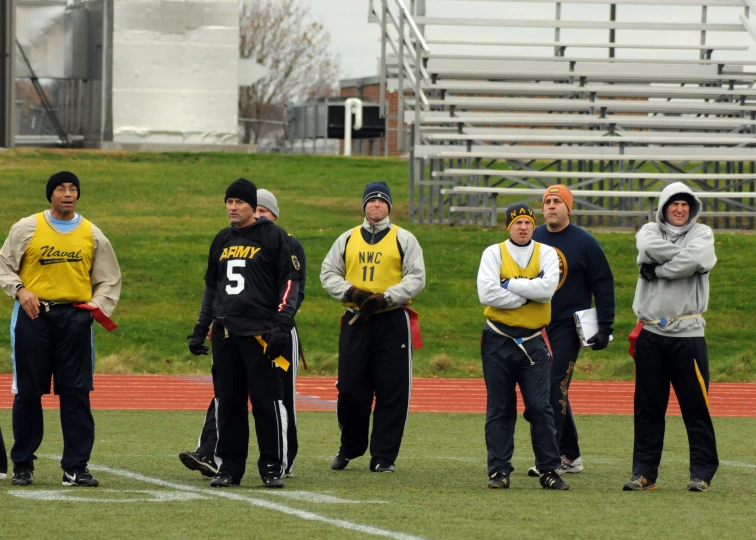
{"x": 175, "y": 71}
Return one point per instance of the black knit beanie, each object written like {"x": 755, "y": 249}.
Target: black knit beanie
{"x": 242, "y": 189}
{"x": 62, "y": 177}
{"x": 376, "y": 190}
{"x": 517, "y": 211}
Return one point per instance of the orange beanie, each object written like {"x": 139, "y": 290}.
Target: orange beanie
{"x": 563, "y": 192}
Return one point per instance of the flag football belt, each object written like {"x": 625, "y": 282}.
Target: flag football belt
{"x": 518, "y": 341}
{"x": 280, "y": 361}
{"x": 96, "y": 312}
{"x": 417, "y": 336}
{"x": 633, "y": 336}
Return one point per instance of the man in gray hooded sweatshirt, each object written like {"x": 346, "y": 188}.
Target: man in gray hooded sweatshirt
{"x": 675, "y": 255}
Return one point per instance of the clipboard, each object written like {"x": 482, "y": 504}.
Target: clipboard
{"x": 586, "y": 324}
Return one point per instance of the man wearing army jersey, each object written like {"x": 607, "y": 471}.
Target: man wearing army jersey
{"x": 375, "y": 269}
{"x": 253, "y": 274}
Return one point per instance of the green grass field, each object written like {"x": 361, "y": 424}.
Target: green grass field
{"x": 438, "y": 491}
{"x": 161, "y": 211}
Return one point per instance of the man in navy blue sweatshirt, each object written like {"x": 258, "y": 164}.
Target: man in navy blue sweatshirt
{"x": 584, "y": 277}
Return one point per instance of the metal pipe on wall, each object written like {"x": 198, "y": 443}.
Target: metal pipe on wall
{"x": 7, "y": 75}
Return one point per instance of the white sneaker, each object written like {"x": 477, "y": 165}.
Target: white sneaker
{"x": 533, "y": 472}
{"x": 571, "y": 466}
{"x": 3, "y": 475}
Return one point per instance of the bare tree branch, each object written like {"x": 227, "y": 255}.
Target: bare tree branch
{"x": 278, "y": 35}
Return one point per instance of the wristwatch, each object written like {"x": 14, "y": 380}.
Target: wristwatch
{"x": 18, "y": 288}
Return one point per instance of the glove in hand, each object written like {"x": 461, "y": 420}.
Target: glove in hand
{"x": 648, "y": 271}
{"x": 279, "y": 336}
{"x": 373, "y": 303}
{"x": 197, "y": 342}
{"x": 357, "y": 296}
{"x": 600, "y": 341}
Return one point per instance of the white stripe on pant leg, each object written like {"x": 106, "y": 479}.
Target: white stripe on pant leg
{"x": 14, "y": 320}
{"x": 283, "y": 425}
{"x": 218, "y": 460}
{"x": 295, "y": 367}
{"x": 409, "y": 362}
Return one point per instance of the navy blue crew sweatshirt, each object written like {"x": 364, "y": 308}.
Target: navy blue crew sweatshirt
{"x": 584, "y": 274}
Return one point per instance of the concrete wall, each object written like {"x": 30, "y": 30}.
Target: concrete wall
{"x": 175, "y": 71}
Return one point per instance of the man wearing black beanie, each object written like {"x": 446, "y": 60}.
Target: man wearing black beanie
{"x": 62, "y": 271}
{"x": 251, "y": 289}
{"x": 375, "y": 269}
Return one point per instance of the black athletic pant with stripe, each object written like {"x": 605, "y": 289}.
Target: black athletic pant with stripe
{"x": 504, "y": 366}
{"x": 565, "y": 347}
{"x": 3, "y": 455}
{"x": 243, "y": 372}
{"x": 683, "y": 362}
{"x": 58, "y": 343}
{"x": 209, "y": 436}
{"x": 375, "y": 359}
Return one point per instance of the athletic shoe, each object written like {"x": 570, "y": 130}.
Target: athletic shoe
{"x": 223, "y": 479}
{"x": 339, "y": 462}
{"x": 639, "y": 483}
{"x": 79, "y": 477}
{"x": 698, "y": 485}
{"x": 551, "y": 480}
{"x": 289, "y": 472}
{"x": 499, "y": 481}
{"x": 194, "y": 461}
{"x": 3, "y": 475}
{"x": 571, "y": 465}
{"x": 533, "y": 472}
{"x": 23, "y": 475}
{"x": 272, "y": 482}
{"x": 383, "y": 467}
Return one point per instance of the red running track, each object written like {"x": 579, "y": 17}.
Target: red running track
{"x": 193, "y": 393}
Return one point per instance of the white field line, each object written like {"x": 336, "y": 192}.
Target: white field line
{"x": 218, "y": 492}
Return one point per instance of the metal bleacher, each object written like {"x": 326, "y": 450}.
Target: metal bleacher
{"x": 611, "y": 97}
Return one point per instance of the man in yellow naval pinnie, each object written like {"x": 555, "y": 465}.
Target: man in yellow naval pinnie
{"x": 62, "y": 271}
{"x": 375, "y": 269}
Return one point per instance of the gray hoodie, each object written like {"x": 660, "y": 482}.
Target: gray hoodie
{"x": 685, "y": 256}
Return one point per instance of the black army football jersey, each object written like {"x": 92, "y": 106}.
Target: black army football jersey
{"x": 254, "y": 274}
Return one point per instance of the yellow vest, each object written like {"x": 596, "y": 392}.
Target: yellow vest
{"x": 532, "y": 315}
{"x": 373, "y": 268}
{"x": 56, "y": 265}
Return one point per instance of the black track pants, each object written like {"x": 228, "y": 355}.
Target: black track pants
{"x": 209, "y": 436}
{"x": 242, "y": 372}
{"x": 565, "y": 347}
{"x": 375, "y": 359}
{"x": 683, "y": 362}
{"x": 504, "y": 366}
{"x": 3, "y": 454}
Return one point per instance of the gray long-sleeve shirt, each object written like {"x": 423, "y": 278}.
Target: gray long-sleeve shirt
{"x": 333, "y": 270}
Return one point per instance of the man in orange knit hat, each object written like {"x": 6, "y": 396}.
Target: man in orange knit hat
{"x": 584, "y": 278}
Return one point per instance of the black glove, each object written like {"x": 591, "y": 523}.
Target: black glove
{"x": 357, "y": 296}
{"x": 648, "y": 271}
{"x": 197, "y": 341}
{"x": 279, "y": 336}
{"x": 373, "y": 303}
{"x": 601, "y": 339}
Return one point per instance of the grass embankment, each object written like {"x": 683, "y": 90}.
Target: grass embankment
{"x": 161, "y": 211}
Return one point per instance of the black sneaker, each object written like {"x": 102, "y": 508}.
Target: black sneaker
{"x": 698, "y": 485}
{"x": 272, "y": 482}
{"x": 551, "y": 480}
{"x": 223, "y": 479}
{"x": 383, "y": 467}
{"x": 533, "y": 472}
{"x": 339, "y": 462}
{"x": 23, "y": 475}
{"x": 79, "y": 477}
{"x": 639, "y": 483}
{"x": 499, "y": 481}
{"x": 194, "y": 461}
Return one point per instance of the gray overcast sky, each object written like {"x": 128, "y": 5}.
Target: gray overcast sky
{"x": 356, "y": 40}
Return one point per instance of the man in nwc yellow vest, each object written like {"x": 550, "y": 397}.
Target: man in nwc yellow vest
{"x": 375, "y": 269}
{"x": 516, "y": 281}
{"x": 62, "y": 270}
